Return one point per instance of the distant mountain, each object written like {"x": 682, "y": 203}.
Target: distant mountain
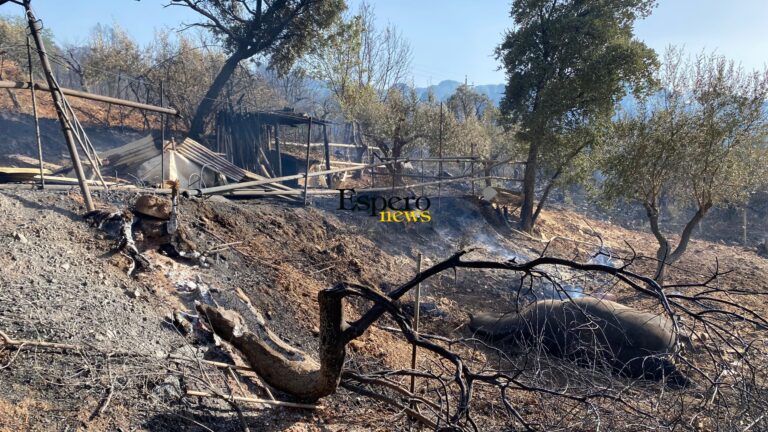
{"x": 445, "y": 89}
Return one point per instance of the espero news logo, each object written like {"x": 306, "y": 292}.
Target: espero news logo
{"x": 392, "y": 209}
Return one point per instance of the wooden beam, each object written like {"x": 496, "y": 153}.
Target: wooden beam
{"x": 20, "y": 85}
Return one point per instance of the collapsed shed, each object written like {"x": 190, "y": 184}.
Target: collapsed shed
{"x": 282, "y": 143}
{"x": 148, "y": 161}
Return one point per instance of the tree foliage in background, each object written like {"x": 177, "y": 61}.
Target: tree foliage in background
{"x": 700, "y": 142}
{"x": 187, "y": 65}
{"x": 473, "y": 128}
{"x": 567, "y": 63}
{"x": 109, "y": 54}
{"x": 280, "y": 32}
{"x": 400, "y": 122}
{"x": 359, "y": 62}
{"x": 13, "y": 44}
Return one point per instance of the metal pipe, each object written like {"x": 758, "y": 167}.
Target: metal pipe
{"x": 58, "y": 102}
{"x": 20, "y": 85}
{"x": 34, "y": 113}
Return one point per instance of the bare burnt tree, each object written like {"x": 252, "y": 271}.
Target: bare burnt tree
{"x": 279, "y": 31}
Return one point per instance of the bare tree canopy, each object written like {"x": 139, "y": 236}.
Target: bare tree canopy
{"x": 278, "y": 31}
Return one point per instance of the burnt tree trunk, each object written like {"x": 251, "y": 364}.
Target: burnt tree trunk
{"x": 527, "y": 219}
{"x": 282, "y": 366}
{"x": 197, "y": 128}
{"x": 665, "y": 254}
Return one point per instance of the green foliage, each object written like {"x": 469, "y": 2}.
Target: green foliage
{"x": 357, "y": 61}
{"x": 570, "y": 61}
{"x": 400, "y": 122}
{"x": 279, "y": 31}
{"x": 109, "y": 52}
{"x": 13, "y": 44}
{"x": 473, "y": 126}
{"x": 567, "y": 63}
{"x": 700, "y": 141}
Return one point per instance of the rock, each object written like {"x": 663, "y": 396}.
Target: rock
{"x": 153, "y": 206}
{"x": 20, "y": 237}
{"x": 65, "y": 266}
{"x": 169, "y": 389}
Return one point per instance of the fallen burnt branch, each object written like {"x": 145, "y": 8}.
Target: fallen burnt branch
{"x": 296, "y": 373}
{"x": 120, "y": 226}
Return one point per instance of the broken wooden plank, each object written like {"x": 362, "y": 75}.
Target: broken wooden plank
{"x": 68, "y": 180}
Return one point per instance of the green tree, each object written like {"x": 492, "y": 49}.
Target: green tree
{"x": 13, "y": 52}
{"x": 466, "y": 103}
{"x": 399, "y": 123}
{"x": 567, "y": 63}
{"x": 278, "y": 31}
{"x": 184, "y": 65}
{"x": 699, "y": 142}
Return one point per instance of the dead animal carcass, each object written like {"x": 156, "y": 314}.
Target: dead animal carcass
{"x": 634, "y": 343}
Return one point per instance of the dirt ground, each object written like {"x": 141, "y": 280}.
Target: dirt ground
{"x": 61, "y": 282}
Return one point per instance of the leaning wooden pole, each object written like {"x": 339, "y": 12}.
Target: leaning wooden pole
{"x": 440, "y": 156}
{"x": 277, "y": 149}
{"x": 58, "y": 102}
{"x": 34, "y": 113}
{"x": 416, "y": 315}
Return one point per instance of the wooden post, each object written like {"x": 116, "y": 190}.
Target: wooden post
{"x": 58, "y": 101}
{"x": 416, "y": 314}
{"x": 277, "y": 149}
{"x": 373, "y": 170}
{"x": 440, "y": 156}
{"x": 162, "y": 141}
{"x": 327, "y": 146}
{"x": 394, "y": 169}
{"x": 306, "y": 168}
{"x": 472, "y": 168}
{"x": 743, "y": 227}
{"x": 422, "y": 176}
{"x": 34, "y": 113}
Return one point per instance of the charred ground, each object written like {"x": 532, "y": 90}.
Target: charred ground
{"x": 62, "y": 283}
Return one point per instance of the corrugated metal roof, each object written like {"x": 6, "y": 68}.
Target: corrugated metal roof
{"x": 200, "y": 154}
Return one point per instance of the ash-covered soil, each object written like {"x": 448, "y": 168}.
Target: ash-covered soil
{"x": 61, "y": 282}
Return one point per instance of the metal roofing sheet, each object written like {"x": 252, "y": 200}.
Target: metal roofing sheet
{"x": 202, "y": 155}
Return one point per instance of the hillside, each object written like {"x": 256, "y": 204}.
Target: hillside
{"x": 132, "y": 365}
{"x": 446, "y": 88}
{"x": 107, "y": 126}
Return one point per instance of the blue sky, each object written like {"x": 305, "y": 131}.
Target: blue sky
{"x": 452, "y": 39}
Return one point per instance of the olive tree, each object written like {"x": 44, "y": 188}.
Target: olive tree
{"x": 700, "y": 141}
